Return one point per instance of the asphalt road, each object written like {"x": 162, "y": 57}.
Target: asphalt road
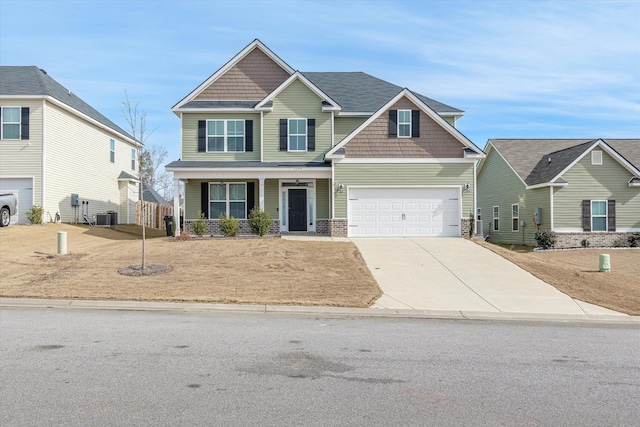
{"x": 99, "y": 368}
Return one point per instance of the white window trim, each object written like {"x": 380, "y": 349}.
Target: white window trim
{"x": 605, "y": 216}
{"x": 595, "y": 161}
{"x": 19, "y": 123}
{"x": 133, "y": 159}
{"x": 517, "y": 223}
{"x": 404, "y": 123}
{"x": 112, "y": 150}
{"x": 305, "y": 134}
{"x": 227, "y": 200}
{"x": 225, "y": 135}
{"x": 494, "y": 218}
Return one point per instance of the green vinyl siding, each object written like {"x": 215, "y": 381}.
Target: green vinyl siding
{"x": 343, "y": 126}
{"x": 399, "y": 174}
{"x": 323, "y": 199}
{"x": 499, "y": 186}
{"x": 271, "y": 197}
{"x": 296, "y": 101}
{"x": 608, "y": 181}
{"x": 450, "y": 120}
{"x": 190, "y": 136}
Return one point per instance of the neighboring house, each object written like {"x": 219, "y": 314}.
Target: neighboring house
{"x": 57, "y": 152}
{"x": 579, "y": 188}
{"x": 335, "y": 153}
{"x": 151, "y": 195}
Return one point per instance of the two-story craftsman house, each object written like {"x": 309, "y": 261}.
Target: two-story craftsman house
{"x": 335, "y": 153}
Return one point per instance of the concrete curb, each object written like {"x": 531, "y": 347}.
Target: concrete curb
{"x": 185, "y": 307}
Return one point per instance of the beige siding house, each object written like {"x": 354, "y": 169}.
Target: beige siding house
{"x": 585, "y": 190}
{"x": 62, "y": 154}
{"x": 333, "y": 153}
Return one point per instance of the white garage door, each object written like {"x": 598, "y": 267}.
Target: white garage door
{"x": 23, "y": 189}
{"x": 403, "y": 212}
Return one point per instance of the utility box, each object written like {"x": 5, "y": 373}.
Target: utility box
{"x": 538, "y": 216}
{"x": 75, "y": 201}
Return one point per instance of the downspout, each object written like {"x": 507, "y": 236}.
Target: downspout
{"x": 551, "y": 208}
{"x": 474, "y": 214}
{"x": 261, "y": 136}
{"x": 44, "y": 153}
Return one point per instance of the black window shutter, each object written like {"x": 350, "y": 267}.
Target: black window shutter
{"x": 248, "y": 135}
{"x": 0, "y": 124}
{"x": 611, "y": 215}
{"x": 202, "y": 136}
{"x": 393, "y": 123}
{"x": 24, "y": 134}
{"x": 204, "y": 198}
{"x": 283, "y": 134}
{"x": 251, "y": 197}
{"x": 586, "y": 215}
{"x": 415, "y": 123}
{"x": 311, "y": 134}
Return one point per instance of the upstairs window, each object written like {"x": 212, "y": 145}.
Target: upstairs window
{"x": 11, "y": 122}
{"x": 225, "y": 135}
{"x": 404, "y": 123}
{"x": 297, "y": 134}
{"x": 496, "y": 218}
{"x": 112, "y": 151}
{"x": 133, "y": 159}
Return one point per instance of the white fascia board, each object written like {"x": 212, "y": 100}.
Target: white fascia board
{"x": 128, "y": 180}
{"x": 397, "y": 160}
{"x": 92, "y": 121}
{"x": 547, "y": 184}
{"x": 355, "y": 113}
{"x": 476, "y": 156}
{"x": 488, "y": 148}
{"x": 425, "y": 108}
{"x": 602, "y": 144}
{"x": 215, "y": 110}
{"x": 633, "y": 184}
{"x": 230, "y": 64}
{"x": 299, "y": 76}
{"x": 279, "y": 173}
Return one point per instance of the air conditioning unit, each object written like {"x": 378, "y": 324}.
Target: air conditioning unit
{"x": 103, "y": 220}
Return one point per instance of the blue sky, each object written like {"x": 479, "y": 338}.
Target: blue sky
{"x": 530, "y": 69}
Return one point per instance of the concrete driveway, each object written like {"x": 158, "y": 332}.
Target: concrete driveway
{"x": 457, "y": 274}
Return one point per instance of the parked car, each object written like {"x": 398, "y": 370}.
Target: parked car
{"x": 8, "y": 205}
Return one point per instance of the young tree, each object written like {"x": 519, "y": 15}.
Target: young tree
{"x": 137, "y": 122}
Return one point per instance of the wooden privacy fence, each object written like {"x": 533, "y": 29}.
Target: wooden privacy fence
{"x": 153, "y": 214}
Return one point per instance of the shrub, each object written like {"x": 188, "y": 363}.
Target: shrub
{"x": 634, "y": 240}
{"x": 35, "y": 214}
{"x": 260, "y": 221}
{"x": 617, "y": 243}
{"x": 228, "y": 225}
{"x": 546, "y": 238}
{"x": 584, "y": 243}
{"x": 200, "y": 226}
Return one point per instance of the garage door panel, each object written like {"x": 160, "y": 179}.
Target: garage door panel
{"x": 23, "y": 189}
{"x": 386, "y": 212}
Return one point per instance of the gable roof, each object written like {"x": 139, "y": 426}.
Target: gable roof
{"x": 327, "y": 102}
{"x": 476, "y": 152}
{"x": 359, "y": 92}
{"x": 32, "y": 81}
{"x": 256, "y": 44}
{"x": 543, "y": 161}
{"x": 151, "y": 195}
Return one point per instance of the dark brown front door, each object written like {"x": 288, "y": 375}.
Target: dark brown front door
{"x": 297, "y": 210}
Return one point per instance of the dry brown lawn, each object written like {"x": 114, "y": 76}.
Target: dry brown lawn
{"x": 245, "y": 270}
{"x": 575, "y": 273}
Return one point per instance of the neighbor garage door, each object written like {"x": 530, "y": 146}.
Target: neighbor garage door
{"x": 403, "y": 212}
{"x": 23, "y": 189}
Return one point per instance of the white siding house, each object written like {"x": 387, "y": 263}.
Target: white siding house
{"x": 61, "y": 147}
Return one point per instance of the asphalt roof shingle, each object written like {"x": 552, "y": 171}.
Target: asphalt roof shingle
{"x": 31, "y": 80}
{"x": 538, "y": 161}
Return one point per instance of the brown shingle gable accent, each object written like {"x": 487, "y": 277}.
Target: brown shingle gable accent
{"x": 433, "y": 142}
{"x": 253, "y": 77}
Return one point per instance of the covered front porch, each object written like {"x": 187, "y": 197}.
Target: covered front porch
{"x": 297, "y": 196}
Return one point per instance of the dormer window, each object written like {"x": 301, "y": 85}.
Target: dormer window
{"x": 596, "y": 157}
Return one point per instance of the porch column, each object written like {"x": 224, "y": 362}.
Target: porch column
{"x": 176, "y": 206}
{"x": 261, "y": 193}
